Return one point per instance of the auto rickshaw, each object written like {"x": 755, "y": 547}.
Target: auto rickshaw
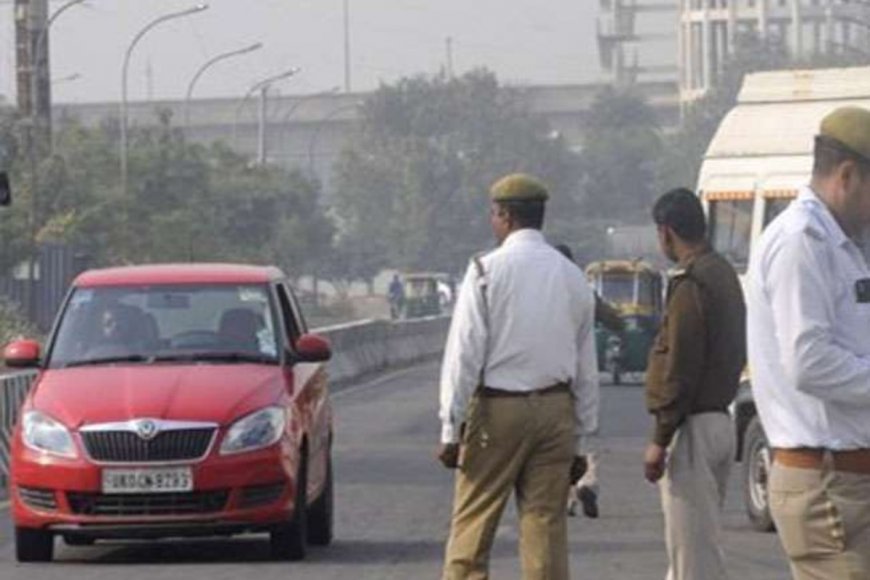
{"x": 422, "y": 297}
{"x": 634, "y": 289}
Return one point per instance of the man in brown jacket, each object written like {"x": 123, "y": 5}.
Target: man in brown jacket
{"x": 693, "y": 374}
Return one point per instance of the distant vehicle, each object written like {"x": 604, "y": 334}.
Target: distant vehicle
{"x": 635, "y": 289}
{"x": 423, "y": 294}
{"x": 759, "y": 157}
{"x": 173, "y": 401}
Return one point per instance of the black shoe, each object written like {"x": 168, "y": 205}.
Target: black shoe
{"x": 589, "y": 499}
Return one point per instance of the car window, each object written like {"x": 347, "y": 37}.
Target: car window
{"x": 290, "y": 322}
{"x": 165, "y": 321}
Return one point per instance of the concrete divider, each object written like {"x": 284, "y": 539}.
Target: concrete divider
{"x": 359, "y": 349}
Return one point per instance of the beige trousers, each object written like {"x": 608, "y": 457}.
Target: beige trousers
{"x": 521, "y": 445}
{"x": 692, "y": 492}
{"x": 823, "y": 520}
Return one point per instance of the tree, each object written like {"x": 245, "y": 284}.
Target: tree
{"x": 620, "y": 151}
{"x": 411, "y": 187}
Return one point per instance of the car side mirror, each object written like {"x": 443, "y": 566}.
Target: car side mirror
{"x": 5, "y": 189}
{"x": 312, "y": 348}
{"x": 22, "y": 354}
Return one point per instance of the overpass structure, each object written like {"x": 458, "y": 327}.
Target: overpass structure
{"x": 309, "y": 131}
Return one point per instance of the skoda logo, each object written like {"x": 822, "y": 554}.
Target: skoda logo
{"x": 146, "y": 429}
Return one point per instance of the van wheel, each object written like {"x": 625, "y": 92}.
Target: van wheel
{"x": 322, "y": 513}
{"x": 288, "y": 542}
{"x": 33, "y": 545}
{"x": 756, "y": 472}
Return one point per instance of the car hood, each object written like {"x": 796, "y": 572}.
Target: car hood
{"x": 215, "y": 393}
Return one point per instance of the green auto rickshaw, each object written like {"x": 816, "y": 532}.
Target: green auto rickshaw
{"x": 634, "y": 289}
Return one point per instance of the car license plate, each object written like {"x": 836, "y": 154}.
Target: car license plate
{"x": 148, "y": 480}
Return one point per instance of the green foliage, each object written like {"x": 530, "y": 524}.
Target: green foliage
{"x": 412, "y": 187}
{"x": 13, "y": 324}
{"x": 185, "y": 202}
{"x": 621, "y": 148}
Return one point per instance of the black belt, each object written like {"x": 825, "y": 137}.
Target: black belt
{"x": 494, "y": 393}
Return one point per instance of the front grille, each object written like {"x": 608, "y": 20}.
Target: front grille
{"x": 260, "y": 495}
{"x": 41, "y": 499}
{"x": 128, "y": 447}
{"x": 153, "y": 504}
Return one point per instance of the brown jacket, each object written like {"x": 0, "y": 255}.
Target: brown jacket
{"x": 700, "y": 350}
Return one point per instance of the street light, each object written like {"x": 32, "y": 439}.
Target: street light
{"x": 38, "y": 66}
{"x": 133, "y": 43}
{"x": 263, "y": 87}
{"x": 312, "y": 144}
{"x": 66, "y": 79}
{"x": 205, "y": 67}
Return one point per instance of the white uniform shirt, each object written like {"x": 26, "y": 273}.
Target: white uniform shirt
{"x": 808, "y": 336}
{"x": 535, "y": 330}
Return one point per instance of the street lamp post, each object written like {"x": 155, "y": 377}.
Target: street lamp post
{"x": 208, "y": 64}
{"x": 262, "y": 87}
{"x": 133, "y": 43}
{"x": 40, "y": 68}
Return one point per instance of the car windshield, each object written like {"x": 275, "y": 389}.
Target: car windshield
{"x": 618, "y": 288}
{"x": 207, "y": 323}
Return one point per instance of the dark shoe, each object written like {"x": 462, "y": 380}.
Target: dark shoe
{"x": 589, "y": 499}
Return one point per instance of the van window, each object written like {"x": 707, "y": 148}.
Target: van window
{"x": 730, "y": 229}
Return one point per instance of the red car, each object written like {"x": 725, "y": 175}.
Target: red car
{"x": 174, "y": 401}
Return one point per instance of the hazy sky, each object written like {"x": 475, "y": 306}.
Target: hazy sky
{"x": 539, "y": 41}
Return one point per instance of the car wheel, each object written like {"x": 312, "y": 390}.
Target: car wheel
{"x": 33, "y": 545}
{"x": 321, "y": 515}
{"x": 78, "y": 541}
{"x": 288, "y": 542}
{"x": 756, "y": 472}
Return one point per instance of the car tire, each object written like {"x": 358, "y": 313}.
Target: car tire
{"x": 33, "y": 545}
{"x": 321, "y": 515}
{"x": 756, "y": 471}
{"x": 289, "y": 542}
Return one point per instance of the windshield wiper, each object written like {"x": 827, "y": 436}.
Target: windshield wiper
{"x": 106, "y": 360}
{"x": 217, "y": 356}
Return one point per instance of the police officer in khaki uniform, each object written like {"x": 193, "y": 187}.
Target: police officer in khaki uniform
{"x": 519, "y": 390}
{"x": 692, "y": 376}
{"x": 809, "y": 352}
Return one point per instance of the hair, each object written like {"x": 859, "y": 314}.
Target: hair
{"x": 680, "y": 210}
{"x": 525, "y": 214}
{"x": 829, "y": 153}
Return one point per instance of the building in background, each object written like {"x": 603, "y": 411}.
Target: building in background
{"x": 708, "y": 30}
{"x": 637, "y": 40}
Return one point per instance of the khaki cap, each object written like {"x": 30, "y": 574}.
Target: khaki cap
{"x": 518, "y": 187}
{"x": 851, "y": 127}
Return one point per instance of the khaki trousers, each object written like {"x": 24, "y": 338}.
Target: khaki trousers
{"x": 692, "y": 492}
{"x": 523, "y": 445}
{"x": 823, "y": 520}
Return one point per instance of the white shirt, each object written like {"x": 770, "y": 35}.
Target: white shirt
{"x": 536, "y": 329}
{"x": 808, "y": 337}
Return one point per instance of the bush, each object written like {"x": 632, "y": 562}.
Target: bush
{"x": 13, "y": 324}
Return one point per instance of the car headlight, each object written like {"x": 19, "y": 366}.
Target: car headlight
{"x": 42, "y": 433}
{"x": 255, "y": 431}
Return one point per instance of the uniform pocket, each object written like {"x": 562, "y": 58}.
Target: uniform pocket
{"x": 807, "y": 520}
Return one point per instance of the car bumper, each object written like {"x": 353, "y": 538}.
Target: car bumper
{"x": 233, "y": 494}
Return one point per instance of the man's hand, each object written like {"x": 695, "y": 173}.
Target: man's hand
{"x": 448, "y": 455}
{"x": 654, "y": 461}
{"x": 578, "y": 468}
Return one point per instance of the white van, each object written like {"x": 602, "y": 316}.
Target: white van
{"x": 761, "y": 154}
